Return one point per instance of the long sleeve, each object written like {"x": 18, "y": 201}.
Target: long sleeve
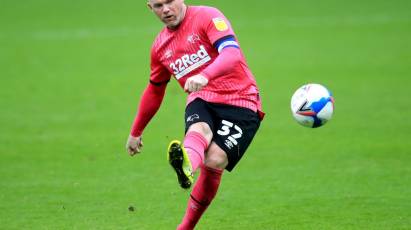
{"x": 149, "y": 104}
{"x": 224, "y": 63}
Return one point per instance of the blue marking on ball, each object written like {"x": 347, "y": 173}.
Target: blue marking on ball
{"x": 319, "y": 105}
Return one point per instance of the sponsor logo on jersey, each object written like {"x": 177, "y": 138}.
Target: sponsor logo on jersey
{"x": 189, "y": 62}
{"x": 220, "y": 24}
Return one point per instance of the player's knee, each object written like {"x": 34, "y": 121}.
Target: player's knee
{"x": 216, "y": 157}
{"x": 217, "y": 162}
{"x": 203, "y": 128}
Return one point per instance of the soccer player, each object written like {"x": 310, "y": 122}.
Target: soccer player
{"x": 199, "y": 48}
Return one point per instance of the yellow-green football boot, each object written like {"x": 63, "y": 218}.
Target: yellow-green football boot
{"x": 178, "y": 158}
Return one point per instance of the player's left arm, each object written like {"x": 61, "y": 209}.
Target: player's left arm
{"x": 229, "y": 56}
{"x": 222, "y": 36}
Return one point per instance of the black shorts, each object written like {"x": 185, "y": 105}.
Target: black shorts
{"x": 233, "y": 127}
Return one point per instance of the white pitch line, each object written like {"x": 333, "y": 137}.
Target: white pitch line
{"x": 326, "y": 21}
{"x": 81, "y": 33}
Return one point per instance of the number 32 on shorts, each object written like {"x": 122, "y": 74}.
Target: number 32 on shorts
{"x": 226, "y": 129}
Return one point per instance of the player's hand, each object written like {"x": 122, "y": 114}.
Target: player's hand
{"x": 134, "y": 145}
{"x": 195, "y": 83}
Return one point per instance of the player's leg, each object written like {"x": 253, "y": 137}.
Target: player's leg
{"x": 187, "y": 157}
{"x": 205, "y": 187}
{"x": 234, "y": 131}
{"x": 196, "y": 141}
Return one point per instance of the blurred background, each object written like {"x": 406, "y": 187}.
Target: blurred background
{"x": 71, "y": 74}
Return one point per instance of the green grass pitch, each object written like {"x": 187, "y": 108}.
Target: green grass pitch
{"x": 71, "y": 73}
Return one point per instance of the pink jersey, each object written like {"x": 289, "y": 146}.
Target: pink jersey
{"x": 189, "y": 49}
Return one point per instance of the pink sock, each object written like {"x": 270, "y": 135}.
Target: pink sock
{"x": 203, "y": 193}
{"x": 195, "y": 144}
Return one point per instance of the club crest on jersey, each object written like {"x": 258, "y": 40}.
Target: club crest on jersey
{"x": 189, "y": 62}
{"x": 220, "y": 24}
{"x": 193, "y": 38}
{"x": 193, "y": 117}
{"x": 168, "y": 54}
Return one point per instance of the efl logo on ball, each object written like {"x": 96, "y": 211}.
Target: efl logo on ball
{"x": 312, "y": 105}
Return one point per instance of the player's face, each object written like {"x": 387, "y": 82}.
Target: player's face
{"x": 170, "y": 12}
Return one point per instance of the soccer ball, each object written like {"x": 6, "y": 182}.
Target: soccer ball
{"x": 312, "y": 105}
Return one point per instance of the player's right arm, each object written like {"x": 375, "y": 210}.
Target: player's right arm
{"x": 149, "y": 104}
